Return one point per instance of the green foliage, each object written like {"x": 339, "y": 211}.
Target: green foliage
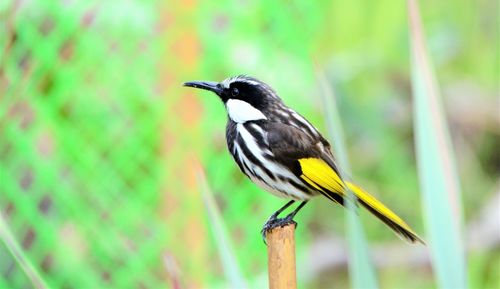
{"x": 361, "y": 269}
{"x": 215, "y": 222}
{"x": 441, "y": 193}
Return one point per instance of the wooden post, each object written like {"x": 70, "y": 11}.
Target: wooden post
{"x": 281, "y": 257}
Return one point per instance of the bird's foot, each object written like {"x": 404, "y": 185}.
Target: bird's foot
{"x": 275, "y": 222}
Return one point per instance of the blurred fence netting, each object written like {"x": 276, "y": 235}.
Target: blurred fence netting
{"x": 79, "y": 146}
{"x": 97, "y": 151}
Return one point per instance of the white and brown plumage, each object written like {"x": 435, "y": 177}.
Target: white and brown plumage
{"x": 283, "y": 153}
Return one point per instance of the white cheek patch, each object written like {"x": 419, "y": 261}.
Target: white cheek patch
{"x": 240, "y": 111}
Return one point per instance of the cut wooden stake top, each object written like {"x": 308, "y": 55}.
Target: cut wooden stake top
{"x": 281, "y": 257}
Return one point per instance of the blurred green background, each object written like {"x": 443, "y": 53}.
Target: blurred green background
{"x": 101, "y": 146}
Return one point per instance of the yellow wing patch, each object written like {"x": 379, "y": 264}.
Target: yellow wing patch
{"x": 319, "y": 174}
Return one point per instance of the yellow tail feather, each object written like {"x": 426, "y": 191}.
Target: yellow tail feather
{"x": 322, "y": 177}
{"x": 385, "y": 214}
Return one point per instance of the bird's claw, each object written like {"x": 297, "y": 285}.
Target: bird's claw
{"x": 275, "y": 222}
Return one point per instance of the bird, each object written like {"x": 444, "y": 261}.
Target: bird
{"x": 284, "y": 154}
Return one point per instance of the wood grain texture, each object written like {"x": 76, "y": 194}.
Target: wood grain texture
{"x": 281, "y": 257}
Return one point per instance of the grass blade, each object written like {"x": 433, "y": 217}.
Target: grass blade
{"x": 436, "y": 166}
{"x": 226, "y": 253}
{"x": 18, "y": 254}
{"x": 362, "y": 272}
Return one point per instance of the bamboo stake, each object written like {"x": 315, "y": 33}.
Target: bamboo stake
{"x": 281, "y": 257}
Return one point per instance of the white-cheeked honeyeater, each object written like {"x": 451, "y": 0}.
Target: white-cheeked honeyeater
{"x": 280, "y": 151}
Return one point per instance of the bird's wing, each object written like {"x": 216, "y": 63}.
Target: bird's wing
{"x": 310, "y": 158}
{"x": 301, "y": 152}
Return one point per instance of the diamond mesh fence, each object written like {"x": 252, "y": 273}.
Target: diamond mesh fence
{"x": 80, "y": 152}
{"x": 98, "y": 185}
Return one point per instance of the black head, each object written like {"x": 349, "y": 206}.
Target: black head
{"x": 255, "y": 92}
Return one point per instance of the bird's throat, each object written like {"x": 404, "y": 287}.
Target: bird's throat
{"x": 241, "y": 111}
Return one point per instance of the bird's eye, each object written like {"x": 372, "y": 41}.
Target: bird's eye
{"x": 235, "y": 91}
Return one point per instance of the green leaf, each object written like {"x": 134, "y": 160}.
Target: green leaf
{"x": 24, "y": 263}
{"x": 224, "y": 248}
{"x": 362, "y": 272}
{"x": 436, "y": 166}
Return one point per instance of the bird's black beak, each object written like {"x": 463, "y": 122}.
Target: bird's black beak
{"x": 206, "y": 85}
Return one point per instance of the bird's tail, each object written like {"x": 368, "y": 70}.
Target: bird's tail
{"x": 320, "y": 175}
{"x": 384, "y": 214}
